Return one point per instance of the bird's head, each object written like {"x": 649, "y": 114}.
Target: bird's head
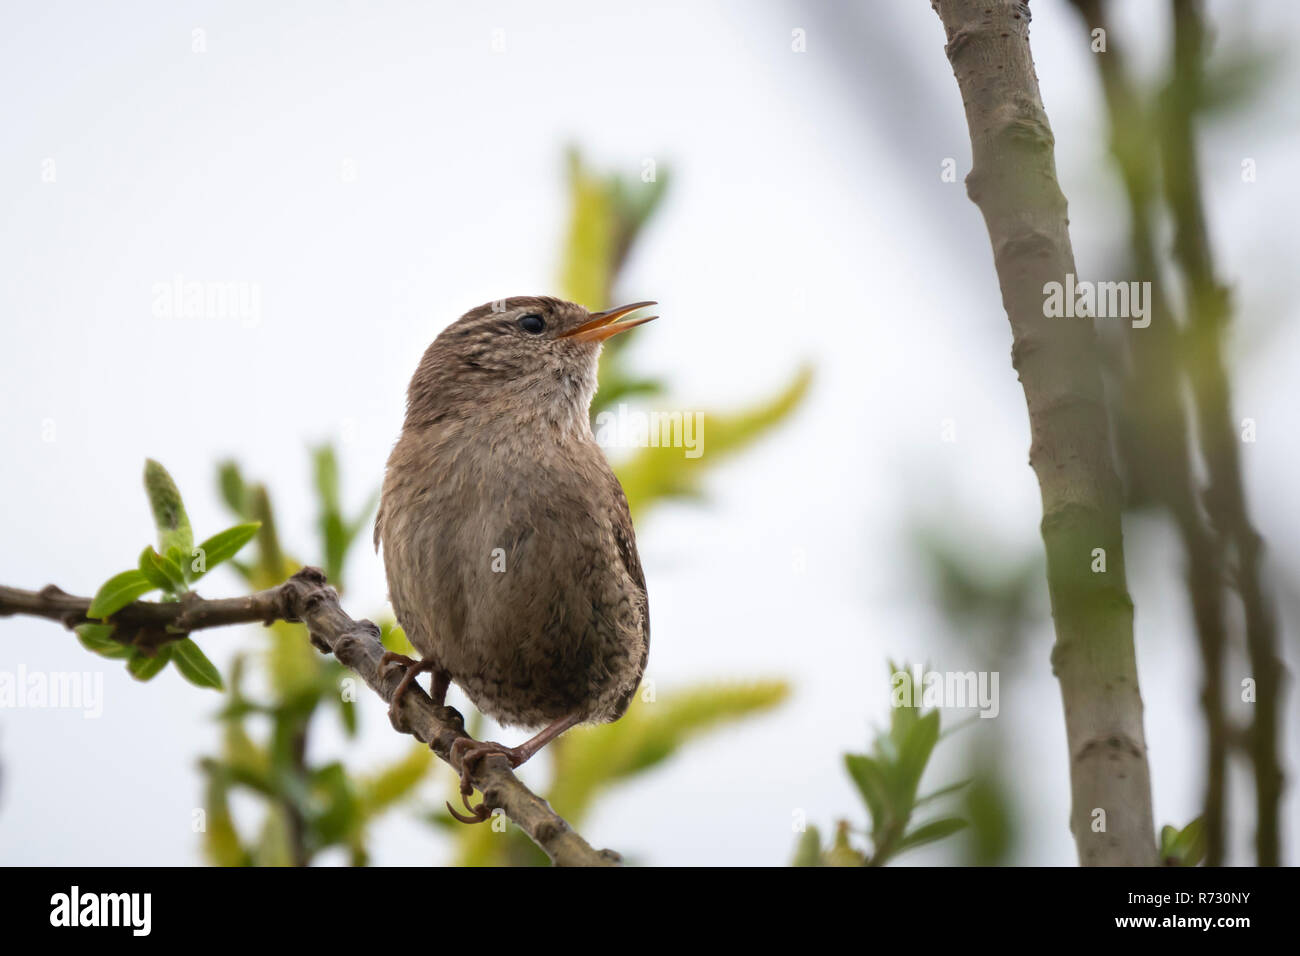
{"x": 535, "y": 350}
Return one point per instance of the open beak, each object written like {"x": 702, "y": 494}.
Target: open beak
{"x": 602, "y": 325}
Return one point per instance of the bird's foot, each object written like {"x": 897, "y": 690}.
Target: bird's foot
{"x": 411, "y": 669}
{"x": 471, "y": 753}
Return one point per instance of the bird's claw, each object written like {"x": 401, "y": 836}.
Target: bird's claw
{"x": 471, "y": 752}
{"x": 479, "y": 814}
{"x": 411, "y": 669}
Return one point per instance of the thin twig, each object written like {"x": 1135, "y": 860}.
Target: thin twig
{"x": 305, "y": 597}
{"x": 1209, "y": 310}
{"x": 1152, "y": 419}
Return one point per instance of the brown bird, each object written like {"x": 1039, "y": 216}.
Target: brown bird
{"x": 511, "y": 560}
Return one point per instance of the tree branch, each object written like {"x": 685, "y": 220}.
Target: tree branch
{"x": 306, "y": 598}
{"x": 1013, "y": 182}
{"x": 1209, "y": 308}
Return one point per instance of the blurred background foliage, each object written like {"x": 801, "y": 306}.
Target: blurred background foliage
{"x": 888, "y": 779}
{"x": 307, "y": 807}
{"x": 607, "y": 214}
{"x": 993, "y": 615}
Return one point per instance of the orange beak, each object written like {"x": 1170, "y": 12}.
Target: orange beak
{"x": 602, "y": 325}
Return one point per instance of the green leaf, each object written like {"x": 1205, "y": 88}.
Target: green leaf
{"x": 870, "y": 779}
{"x": 590, "y": 246}
{"x": 809, "y": 850}
{"x": 231, "y": 482}
{"x": 915, "y": 754}
{"x": 337, "y": 533}
{"x": 1168, "y": 834}
{"x": 943, "y": 792}
{"x": 842, "y": 852}
{"x": 987, "y": 805}
{"x": 143, "y": 667}
{"x": 591, "y": 759}
{"x": 339, "y": 809}
{"x": 274, "y": 844}
{"x": 153, "y": 571}
{"x": 347, "y": 715}
{"x": 651, "y": 474}
{"x": 1189, "y": 846}
{"x": 394, "y": 638}
{"x": 177, "y": 557}
{"x": 222, "y": 547}
{"x": 168, "y": 509}
{"x": 327, "y": 477}
{"x": 117, "y": 592}
{"x": 98, "y": 638}
{"x": 335, "y": 540}
{"x": 932, "y": 831}
{"x": 194, "y": 665}
{"x": 221, "y": 842}
{"x": 162, "y": 572}
{"x": 615, "y": 387}
{"x": 396, "y": 781}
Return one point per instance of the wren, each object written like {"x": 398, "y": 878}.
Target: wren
{"x": 508, "y": 545}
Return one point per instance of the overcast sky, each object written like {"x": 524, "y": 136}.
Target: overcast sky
{"x": 374, "y": 170}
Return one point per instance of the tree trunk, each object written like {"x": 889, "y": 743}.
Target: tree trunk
{"x": 1013, "y": 182}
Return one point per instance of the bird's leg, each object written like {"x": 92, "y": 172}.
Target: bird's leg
{"x": 438, "y": 687}
{"x": 471, "y": 752}
{"x": 413, "y": 668}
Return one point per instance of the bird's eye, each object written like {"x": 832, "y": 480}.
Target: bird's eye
{"x": 532, "y": 323}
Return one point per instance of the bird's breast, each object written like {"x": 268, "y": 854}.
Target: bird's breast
{"x": 507, "y": 554}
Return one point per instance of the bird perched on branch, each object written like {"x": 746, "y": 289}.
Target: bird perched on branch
{"x": 511, "y": 560}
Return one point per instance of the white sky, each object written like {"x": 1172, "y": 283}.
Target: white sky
{"x": 801, "y": 224}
